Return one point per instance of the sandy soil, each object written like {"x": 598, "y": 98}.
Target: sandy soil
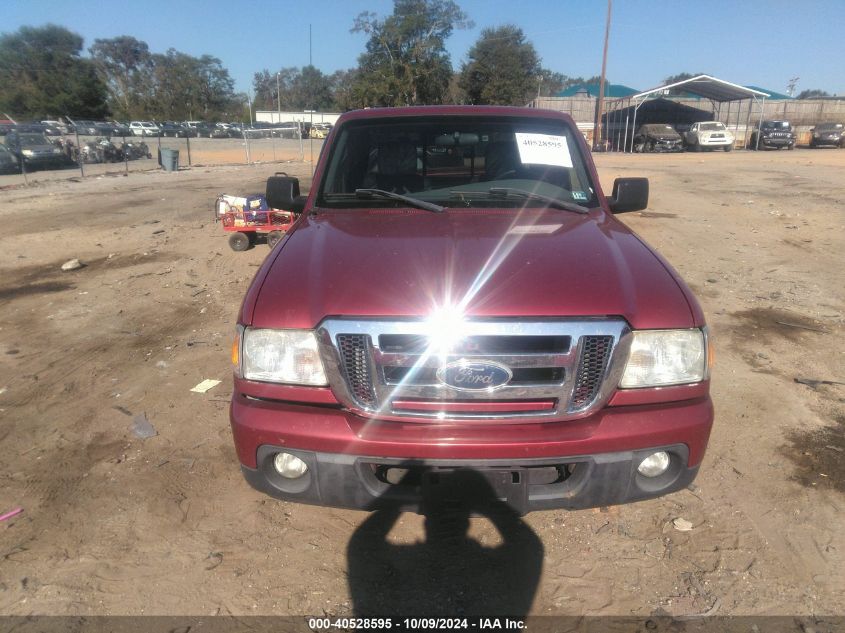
{"x": 114, "y": 524}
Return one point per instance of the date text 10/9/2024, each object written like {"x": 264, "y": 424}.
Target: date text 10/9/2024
{"x": 415, "y": 624}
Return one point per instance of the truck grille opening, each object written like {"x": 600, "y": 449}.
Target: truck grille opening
{"x": 595, "y": 354}
{"x": 414, "y": 476}
{"x": 355, "y": 354}
{"x": 416, "y": 344}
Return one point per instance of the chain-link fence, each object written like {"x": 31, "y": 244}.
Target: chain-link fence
{"x": 86, "y": 156}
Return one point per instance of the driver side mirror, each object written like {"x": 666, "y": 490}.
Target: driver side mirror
{"x": 283, "y": 193}
{"x": 629, "y": 194}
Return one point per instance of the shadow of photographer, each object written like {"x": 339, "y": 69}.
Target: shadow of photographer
{"x": 449, "y": 574}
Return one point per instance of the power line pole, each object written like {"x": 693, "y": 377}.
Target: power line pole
{"x": 279, "y": 98}
{"x": 600, "y": 105}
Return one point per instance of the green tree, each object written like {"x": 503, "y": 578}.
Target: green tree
{"x": 406, "y": 62}
{"x": 502, "y": 68}
{"x": 342, "y": 84}
{"x": 812, "y": 94}
{"x": 182, "y": 86}
{"x": 124, "y": 64}
{"x": 300, "y": 89}
{"x": 311, "y": 90}
{"x": 42, "y": 75}
{"x": 266, "y": 87}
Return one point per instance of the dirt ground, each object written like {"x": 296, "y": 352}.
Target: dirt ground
{"x": 114, "y": 524}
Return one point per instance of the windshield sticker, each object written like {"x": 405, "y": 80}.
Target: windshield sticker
{"x": 579, "y": 195}
{"x": 534, "y": 229}
{"x": 543, "y": 149}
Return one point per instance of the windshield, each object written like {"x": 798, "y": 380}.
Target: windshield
{"x": 659, "y": 128}
{"x": 455, "y": 161}
{"x": 829, "y": 126}
{"x": 33, "y": 140}
{"x": 776, "y": 125}
{"x": 712, "y": 126}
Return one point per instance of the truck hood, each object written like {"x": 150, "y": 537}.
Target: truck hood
{"x": 491, "y": 262}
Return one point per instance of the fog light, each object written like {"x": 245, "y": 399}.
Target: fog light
{"x": 654, "y": 465}
{"x": 289, "y": 466}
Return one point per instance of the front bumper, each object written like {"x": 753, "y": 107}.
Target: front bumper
{"x": 584, "y": 481}
{"x": 716, "y": 142}
{"x": 668, "y": 146}
{"x": 776, "y": 142}
{"x": 343, "y": 452}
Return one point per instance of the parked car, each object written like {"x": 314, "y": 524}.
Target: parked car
{"x": 144, "y": 128}
{"x": 775, "y": 134}
{"x": 294, "y": 130}
{"x": 708, "y": 135}
{"x": 236, "y": 130}
{"x": 8, "y": 161}
{"x": 35, "y": 151}
{"x": 260, "y": 129}
{"x": 219, "y": 132}
{"x": 319, "y": 130}
{"x": 85, "y": 128}
{"x": 56, "y": 128}
{"x": 177, "y": 130}
{"x": 657, "y": 137}
{"x": 827, "y": 134}
{"x": 120, "y": 129}
{"x": 567, "y": 390}
{"x": 204, "y": 128}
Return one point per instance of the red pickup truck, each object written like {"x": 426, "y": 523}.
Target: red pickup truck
{"x": 457, "y": 294}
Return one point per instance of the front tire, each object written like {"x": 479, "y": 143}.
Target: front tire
{"x": 728, "y": 148}
{"x": 239, "y": 242}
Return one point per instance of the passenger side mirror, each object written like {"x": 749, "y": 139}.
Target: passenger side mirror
{"x": 629, "y": 194}
{"x": 283, "y": 193}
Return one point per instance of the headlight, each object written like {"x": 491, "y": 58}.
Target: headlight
{"x": 665, "y": 357}
{"x": 283, "y": 356}
{"x": 27, "y": 152}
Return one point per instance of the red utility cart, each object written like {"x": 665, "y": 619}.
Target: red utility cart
{"x": 248, "y": 217}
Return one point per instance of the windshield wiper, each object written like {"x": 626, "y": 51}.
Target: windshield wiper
{"x": 504, "y": 192}
{"x": 414, "y": 202}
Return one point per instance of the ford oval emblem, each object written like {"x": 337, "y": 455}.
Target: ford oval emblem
{"x": 474, "y": 375}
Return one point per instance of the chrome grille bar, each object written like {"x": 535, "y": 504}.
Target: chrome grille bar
{"x": 580, "y": 377}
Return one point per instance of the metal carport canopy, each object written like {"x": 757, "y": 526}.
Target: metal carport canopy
{"x": 709, "y": 88}
{"x": 716, "y": 90}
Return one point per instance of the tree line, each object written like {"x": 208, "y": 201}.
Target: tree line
{"x": 43, "y": 72}
{"x": 405, "y": 62}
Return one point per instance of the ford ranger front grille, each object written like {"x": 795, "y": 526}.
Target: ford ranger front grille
{"x": 567, "y": 367}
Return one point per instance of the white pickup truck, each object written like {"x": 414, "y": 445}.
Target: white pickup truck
{"x": 708, "y": 134}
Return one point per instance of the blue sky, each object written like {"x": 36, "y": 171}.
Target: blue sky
{"x": 760, "y": 42}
